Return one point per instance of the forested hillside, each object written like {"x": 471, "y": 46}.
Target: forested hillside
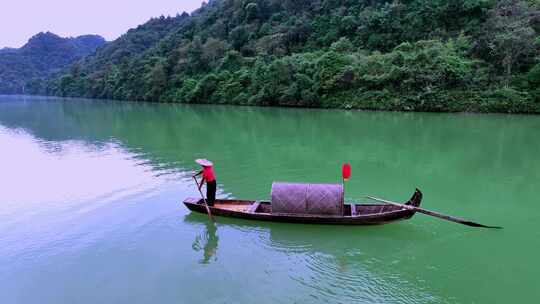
{"x": 5, "y": 50}
{"x": 418, "y": 55}
{"x": 24, "y": 69}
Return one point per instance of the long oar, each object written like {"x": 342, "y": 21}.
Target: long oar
{"x": 204, "y": 199}
{"x": 435, "y": 214}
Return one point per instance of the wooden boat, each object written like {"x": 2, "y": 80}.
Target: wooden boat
{"x": 353, "y": 214}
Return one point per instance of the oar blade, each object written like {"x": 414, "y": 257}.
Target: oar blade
{"x": 454, "y": 219}
{"x": 473, "y": 224}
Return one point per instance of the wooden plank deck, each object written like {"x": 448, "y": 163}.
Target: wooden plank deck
{"x": 233, "y": 207}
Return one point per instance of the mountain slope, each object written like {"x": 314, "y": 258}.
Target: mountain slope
{"x": 423, "y": 55}
{"x": 44, "y": 54}
{"x": 6, "y": 50}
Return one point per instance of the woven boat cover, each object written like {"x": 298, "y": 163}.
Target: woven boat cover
{"x": 294, "y": 198}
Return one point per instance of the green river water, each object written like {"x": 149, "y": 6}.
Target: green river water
{"x": 90, "y": 205}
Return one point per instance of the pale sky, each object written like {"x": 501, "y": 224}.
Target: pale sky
{"x": 21, "y": 19}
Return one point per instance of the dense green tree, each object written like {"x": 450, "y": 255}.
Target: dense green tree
{"x": 25, "y": 69}
{"x": 422, "y": 55}
{"x": 157, "y": 79}
{"x": 252, "y": 11}
{"x": 533, "y": 79}
{"x": 239, "y": 37}
{"x": 508, "y": 39}
{"x": 213, "y": 50}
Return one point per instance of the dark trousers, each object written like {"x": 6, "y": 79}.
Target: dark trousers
{"x": 211, "y": 192}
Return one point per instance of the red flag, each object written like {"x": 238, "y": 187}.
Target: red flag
{"x": 346, "y": 171}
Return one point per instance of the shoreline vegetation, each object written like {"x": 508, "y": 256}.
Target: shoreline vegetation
{"x": 150, "y": 102}
{"x": 409, "y": 55}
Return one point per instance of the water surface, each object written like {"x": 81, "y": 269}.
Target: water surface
{"x": 90, "y": 205}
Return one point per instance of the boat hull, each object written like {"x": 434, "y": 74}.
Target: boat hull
{"x": 364, "y": 214}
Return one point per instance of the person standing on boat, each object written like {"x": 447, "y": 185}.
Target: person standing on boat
{"x": 209, "y": 177}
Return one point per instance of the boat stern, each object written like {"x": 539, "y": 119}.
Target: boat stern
{"x": 190, "y": 202}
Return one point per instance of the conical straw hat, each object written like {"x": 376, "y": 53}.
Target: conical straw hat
{"x": 204, "y": 162}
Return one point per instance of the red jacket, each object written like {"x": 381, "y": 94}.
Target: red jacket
{"x": 208, "y": 174}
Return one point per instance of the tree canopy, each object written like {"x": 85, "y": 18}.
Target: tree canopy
{"x": 421, "y": 55}
{"x": 25, "y": 69}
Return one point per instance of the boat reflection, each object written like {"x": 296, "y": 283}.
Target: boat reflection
{"x": 335, "y": 240}
{"x": 207, "y": 242}
{"x": 366, "y": 264}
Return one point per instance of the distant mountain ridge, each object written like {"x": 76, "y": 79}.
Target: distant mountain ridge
{"x": 43, "y": 55}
